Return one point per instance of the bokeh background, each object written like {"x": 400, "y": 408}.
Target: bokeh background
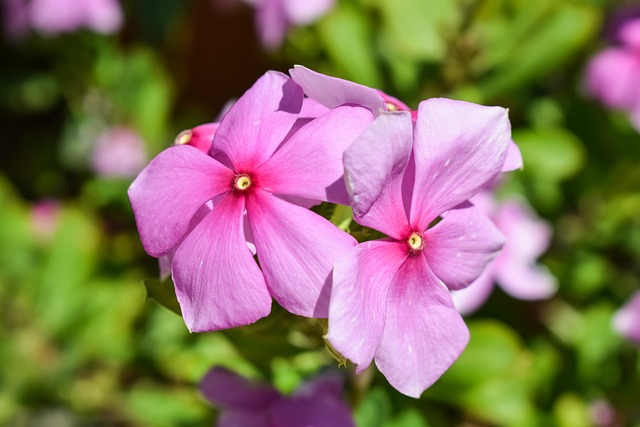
{"x": 87, "y": 100}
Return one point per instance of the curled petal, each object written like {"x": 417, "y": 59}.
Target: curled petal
{"x": 333, "y": 92}
{"x": 458, "y": 148}
{"x": 231, "y": 391}
{"x": 375, "y": 166}
{"x": 357, "y": 312}
{"x": 514, "y": 158}
{"x": 424, "y": 334}
{"x": 460, "y": 246}
{"x": 259, "y": 121}
{"x": 309, "y": 164}
{"x": 296, "y": 249}
{"x": 170, "y": 190}
{"x": 218, "y": 284}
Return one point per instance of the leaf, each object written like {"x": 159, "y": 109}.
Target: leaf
{"x": 375, "y": 410}
{"x": 162, "y": 292}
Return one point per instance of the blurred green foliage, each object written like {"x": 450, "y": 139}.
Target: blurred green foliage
{"x": 80, "y": 346}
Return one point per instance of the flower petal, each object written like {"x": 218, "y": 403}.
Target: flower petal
{"x": 424, "y": 334}
{"x": 460, "y": 246}
{"x": 218, "y": 284}
{"x": 296, "y": 249}
{"x": 168, "y": 192}
{"x": 514, "y": 158}
{"x": 627, "y": 319}
{"x": 357, "y": 312}
{"x": 333, "y": 92}
{"x": 471, "y": 298}
{"x": 322, "y": 411}
{"x": 244, "y": 419}
{"x": 309, "y": 164}
{"x": 526, "y": 281}
{"x": 375, "y": 167}
{"x": 612, "y": 77}
{"x": 229, "y": 390}
{"x": 259, "y": 121}
{"x": 458, "y": 148}
{"x": 306, "y": 12}
{"x": 271, "y": 23}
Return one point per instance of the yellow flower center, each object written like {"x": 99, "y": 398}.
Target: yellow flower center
{"x": 242, "y": 182}
{"x": 415, "y": 242}
{"x": 391, "y": 106}
{"x": 183, "y": 137}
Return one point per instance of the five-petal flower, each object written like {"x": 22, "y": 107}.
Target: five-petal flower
{"x": 258, "y": 165}
{"x": 390, "y": 298}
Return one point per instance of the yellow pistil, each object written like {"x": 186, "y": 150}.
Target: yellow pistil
{"x": 242, "y": 182}
{"x": 183, "y": 137}
{"x": 415, "y": 241}
{"x": 391, "y": 106}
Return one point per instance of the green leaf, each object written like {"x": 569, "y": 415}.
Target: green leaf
{"x": 409, "y": 418}
{"x": 162, "y": 292}
{"x": 375, "y": 410}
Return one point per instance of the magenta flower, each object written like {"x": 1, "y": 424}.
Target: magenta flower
{"x": 258, "y": 166}
{"x": 333, "y": 91}
{"x": 316, "y": 403}
{"x": 515, "y": 269}
{"x": 613, "y": 75}
{"x": 119, "y": 152}
{"x": 627, "y": 320}
{"x": 390, "y": 298}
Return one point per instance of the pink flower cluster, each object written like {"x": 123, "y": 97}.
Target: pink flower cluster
{"x": 51, "y": 17}
{"x": 613, "y": 75}
{"x": 242, "y": 187}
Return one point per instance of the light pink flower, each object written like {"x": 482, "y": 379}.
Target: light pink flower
{"x": 627, "y": 320}
{"x": 52, "y": 17}
{"x": 256, "y": 165}
{"x": 333, "y": 91}
{"x": 515, "y": 269}
{"x": 317, "y": 402}
{"x": 119, "y": 152}
{"x": 613, "y": 75}
{"x": 390, "y": 299}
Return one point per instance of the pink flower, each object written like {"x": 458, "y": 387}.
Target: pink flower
{"x": 119, "y": 152}
{"x": 45, "y": 217}
{"x": 613, "y": 75}
{"x": 51, "y": 17}
{"x": 316, "y": 403}
{"x": 515, "y": 269}
{"x": 259, "y": 166}
{"x": 333, "y": 91}
{"x": 390, "y": 298}
{"x": 627, "y": 320}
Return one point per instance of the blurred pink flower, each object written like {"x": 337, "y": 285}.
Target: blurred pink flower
{"x": 119, "y": 152}
{"x": 627, "y": 320}
{"x": 316, "y": 403}
{"x": 515, "y": 269}
{"x": 613, "y": 75}
{"x": 51, "y": 17}
{"x": 274, "y": 17}
{"x": 45, "y": 215}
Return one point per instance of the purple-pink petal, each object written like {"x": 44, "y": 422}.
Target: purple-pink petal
{"x": 309, "y": 165}
{"x": 296, "y": 249}
{"x": 375, "y": 167}
{"x": 170, "y": 190}
{"x": 333, "y": 91}
{"x": 217, "y": 281}
{"x": 612, "y": 77}
{"x": 271, "y": 22}
{"x": 629, "y": 34}
{"x": 357, "y": 313}
{"x": 514, "y": 158}
{"x": 232, "y": 391}
{"x": 458, "y": 148}
{"x": 461, "y": 245}
{"x": 423, "y": 334}
{"x": 474, "y": 296}
{"x": 627, "y": 320}
{"x": 321, "y": 411}
{"x": 259, "y": 121}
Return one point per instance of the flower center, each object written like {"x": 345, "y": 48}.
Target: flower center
{"x": 183, "y": 137}
{"x": 391, "y": 106}
{"x": 415, "y": 242}
{"x": 242, "y": 182}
